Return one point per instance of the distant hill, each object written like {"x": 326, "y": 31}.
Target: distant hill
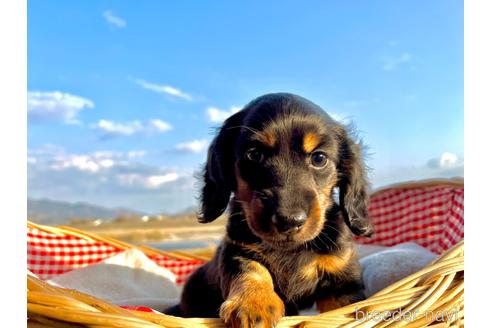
{"x": 190, "y": 210}
{"x": 60, "y": 212}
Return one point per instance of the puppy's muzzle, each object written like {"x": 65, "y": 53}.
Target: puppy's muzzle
{"x": 289, "y": 224}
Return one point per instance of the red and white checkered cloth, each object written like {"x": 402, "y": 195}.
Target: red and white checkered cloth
{"x": 50, "y": 254}
{"x": 181, "y": 268}
{"x": 431, "y": 216}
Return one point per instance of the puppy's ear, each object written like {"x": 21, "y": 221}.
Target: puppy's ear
{"x": 353, "y": 187}
{"x": 218, "y": 175}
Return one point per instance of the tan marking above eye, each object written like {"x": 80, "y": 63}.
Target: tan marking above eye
{"x": 310, "y": 142}
{"x": 267, "y": 138}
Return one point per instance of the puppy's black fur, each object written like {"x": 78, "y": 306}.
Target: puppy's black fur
{"x": 288, "y": 242}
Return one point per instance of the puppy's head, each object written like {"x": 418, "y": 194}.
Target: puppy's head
{"x": 281, "y": 157}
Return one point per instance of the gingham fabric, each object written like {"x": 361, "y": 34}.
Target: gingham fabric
{"x": 50, "y": 254}
{"x": 181, "y": 268}
{"x": 431, "y": 216}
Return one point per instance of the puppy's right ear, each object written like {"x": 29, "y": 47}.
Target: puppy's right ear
{"x": 218, "y": 175}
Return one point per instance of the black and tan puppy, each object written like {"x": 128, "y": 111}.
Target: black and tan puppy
{"x": 288, "y": 243}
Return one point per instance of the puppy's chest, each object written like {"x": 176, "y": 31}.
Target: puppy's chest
{"x": 297, "y": 275}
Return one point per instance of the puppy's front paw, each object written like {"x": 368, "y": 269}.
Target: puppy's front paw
{"x": 257, "y": 309}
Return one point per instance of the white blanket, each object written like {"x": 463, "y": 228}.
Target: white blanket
{"x": 128, "y": 278}
{"x": 387, "y": 266}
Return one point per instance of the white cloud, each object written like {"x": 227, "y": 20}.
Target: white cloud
{"x": 166, "y": 89}
{"x": 118, "y": 166}
{"x": 110, "y": 179}
{"x": 55, "y": 106}
{"x": 217, "y": 115}
{"x": 106, "y": 163}
{"x": 112, "y": 129}
{"x": 136, "y": 153}
{"x": 139, "y": 180}
{"x": 89, "y": 163}
{"x": 83, "y": 163}
{"x": 391, "y": 63}
{"x": 119, "y": 155}
{"x": 159, "y": 125}
{"x": 56, "y": 158}
{"x": 446, "y": 160}
{"x": 155, "y": 181}
{"x": 448, "y": 165}
{"x": 195, "y": 146}
{"x": 113, "y": 19}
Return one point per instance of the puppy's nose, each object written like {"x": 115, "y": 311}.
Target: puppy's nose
{"x": 289, "y": 224}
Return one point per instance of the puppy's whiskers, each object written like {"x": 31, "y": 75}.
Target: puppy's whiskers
{"x": 324, "y": 234}
{"x": 235, "y": 214}
{"x": 256, "y": 132}
{"x": 332, "y": 227}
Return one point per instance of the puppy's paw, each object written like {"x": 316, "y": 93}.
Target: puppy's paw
{"x": 257, "y": 309}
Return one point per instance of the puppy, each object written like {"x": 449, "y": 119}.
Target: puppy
{"x": 288, "y": 242}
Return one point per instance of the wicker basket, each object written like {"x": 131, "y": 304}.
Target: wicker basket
{"x": 432, "y": 297}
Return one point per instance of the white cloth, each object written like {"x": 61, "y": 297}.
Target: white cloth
{"x": 385, "y": 267}
{"x": 128, "y": 278}
{"x": 366, "y": 250}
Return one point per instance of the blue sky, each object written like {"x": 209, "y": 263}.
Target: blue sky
{"x": 123, "y": 96}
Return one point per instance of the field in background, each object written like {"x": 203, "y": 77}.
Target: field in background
{"x": 156, "y": 230}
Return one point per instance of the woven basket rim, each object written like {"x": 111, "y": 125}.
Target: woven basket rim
{"x": 437, "y": 287}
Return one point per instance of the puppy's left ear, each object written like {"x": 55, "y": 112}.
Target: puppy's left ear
{"x": 353, "y": 187}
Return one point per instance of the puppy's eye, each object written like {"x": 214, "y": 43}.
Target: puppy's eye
{"x": 254, "y": 155}
{"x": 319, "y": 159}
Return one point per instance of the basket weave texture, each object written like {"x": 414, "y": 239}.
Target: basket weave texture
{"x": 429, "y": 213}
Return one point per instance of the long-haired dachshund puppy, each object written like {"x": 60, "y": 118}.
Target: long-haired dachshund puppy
{"x": 289, "y": 242}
